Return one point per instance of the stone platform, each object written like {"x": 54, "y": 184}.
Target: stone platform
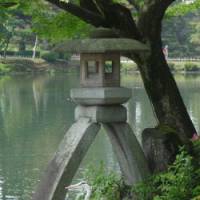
{"x": 101, "y": 96}
{"x": 102, "y": 114}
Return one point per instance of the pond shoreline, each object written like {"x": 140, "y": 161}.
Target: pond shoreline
{"x": 15, "y": 66}
{"x": 187, "y": 67}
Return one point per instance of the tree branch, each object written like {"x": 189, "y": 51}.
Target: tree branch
{"x": 86, "y": 15}
{"x": 8, "y": 4}
{"x": 119, "y": 17}
{"x": 115, "y": 16}
{"x": 159, "y": 7}
{"x": 151, "y": 16}
{"x": 135, "y": 5}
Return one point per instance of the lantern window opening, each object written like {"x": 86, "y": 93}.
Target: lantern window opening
{"x": 108, "y": 67}
{"x": 92, "y": 68}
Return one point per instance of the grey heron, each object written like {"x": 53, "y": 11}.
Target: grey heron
{"x": 83, "y": 188}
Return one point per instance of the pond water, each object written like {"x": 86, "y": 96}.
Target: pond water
{"x": 36, "y": 111}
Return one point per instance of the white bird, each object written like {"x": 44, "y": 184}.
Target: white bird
{"x": 83, "y": 188}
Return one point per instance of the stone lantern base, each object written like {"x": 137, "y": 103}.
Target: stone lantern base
{"x": 97, "y": 107}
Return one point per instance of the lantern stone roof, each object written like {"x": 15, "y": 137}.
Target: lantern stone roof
{"x": 102, "y": 40}
{"x": 102, "y": 45}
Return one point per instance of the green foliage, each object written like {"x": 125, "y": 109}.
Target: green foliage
{"x": 177, "y": 33}
{"x": 105, "y": 184}
{"x": 50, "y": 56}
{"x": 4, "y": 68}
{"x": 15, "y": 26}
{"x": 191, "y": 67}
{"x": 26, "y": 53}
{"x": 196, "y": 151}
{"x": 195, "y": 36}
{"x": 180, "y": 182}
{"x": 180, "y": 9}
{"x": 62, "y": 25}
{"x": 128, "y": 67}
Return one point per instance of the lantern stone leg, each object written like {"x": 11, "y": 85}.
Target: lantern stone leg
{"x": 128, "y": 151}
{"x": 66, "y": 161}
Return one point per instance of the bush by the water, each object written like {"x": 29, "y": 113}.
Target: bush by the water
{"x": 180, "y": 182}
{"x": 191, "y": 67}
{"x": 105, "y": 184}
{"x": 26, "y": 53}
{"x": 128, "y": 67}
{"x": 19, "y": 65}
{"x": 50, "y": 56}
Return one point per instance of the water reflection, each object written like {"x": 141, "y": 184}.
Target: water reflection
{"x": 35, "y": 114}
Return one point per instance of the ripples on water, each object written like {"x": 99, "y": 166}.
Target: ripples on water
{"x": 35, "y": 112}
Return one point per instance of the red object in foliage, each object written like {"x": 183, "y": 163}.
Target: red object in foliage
{"x": 195, "y": 137}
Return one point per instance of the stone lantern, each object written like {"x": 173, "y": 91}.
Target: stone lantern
{"x": 99, "y": 100}
{"x": 100, "y": 67}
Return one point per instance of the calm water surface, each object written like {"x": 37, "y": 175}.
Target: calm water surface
{"x": 36, "y": 111}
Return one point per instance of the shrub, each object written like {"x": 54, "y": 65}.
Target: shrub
{"x": 27, "y": 53}
{"x": 67, "y": 56}
{"x": 180, "y": 182}
{"x": 50, "y": 56}
{"x": 191, "y": 67}
{"x": 105, "y": 185}
{"x": 128, "y": 67}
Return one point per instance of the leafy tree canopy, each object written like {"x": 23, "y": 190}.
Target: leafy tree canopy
{"x": 55, "y": 25}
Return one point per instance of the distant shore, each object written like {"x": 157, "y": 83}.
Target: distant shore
{"x": 182, "y": 67}
{"x": 16, "y": 65}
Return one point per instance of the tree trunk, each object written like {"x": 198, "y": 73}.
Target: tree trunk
{"x": 160, "y": 84}
{"x": 6, "y": 48}
{"x": 35, "y": 47}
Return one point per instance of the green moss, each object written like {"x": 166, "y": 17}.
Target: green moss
{"x": 163, "y": 128}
